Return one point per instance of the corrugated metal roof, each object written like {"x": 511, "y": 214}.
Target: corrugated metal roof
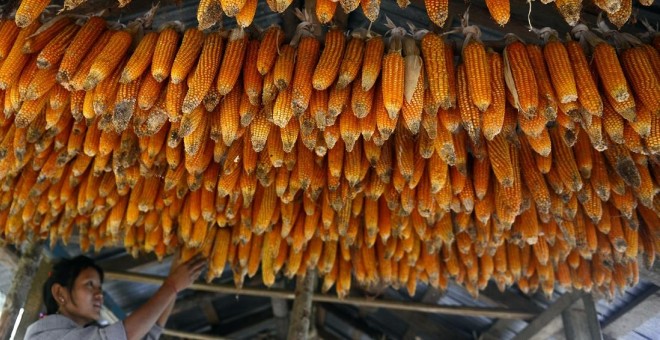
{"x": 607, "y": 309}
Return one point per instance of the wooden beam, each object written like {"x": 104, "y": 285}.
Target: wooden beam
{"x": 33, "y": 304}
{"x": 26, "y": 270}
{"x": 543, "y": 319}
{"x": 397, "y": 305}
{"x": 581, "y": 320}
{"x": 635, "y": 313}
{"x": 509, "y": 299}
{"x": 422, "y": 325}
{"x": 302, "y": 306}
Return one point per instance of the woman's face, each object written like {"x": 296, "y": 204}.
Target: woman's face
{"x": 83, "y": 304}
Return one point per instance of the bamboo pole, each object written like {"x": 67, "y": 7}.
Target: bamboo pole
{"x": 499, "y": 313}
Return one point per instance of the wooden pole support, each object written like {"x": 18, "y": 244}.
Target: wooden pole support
{"x": 302, "y": 306}
{"x": 18, "y": 293}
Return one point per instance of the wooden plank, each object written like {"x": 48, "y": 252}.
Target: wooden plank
{"x": 302, "y": 306}
{"x": 543, "y": 319}
{"x": 26, "y": 270}
{"x": 635, "y": 313}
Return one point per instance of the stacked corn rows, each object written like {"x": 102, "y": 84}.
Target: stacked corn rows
{"x": 374, "y": 164}
{"x": 210, "y": 11}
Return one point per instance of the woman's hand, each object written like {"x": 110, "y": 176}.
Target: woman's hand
{"x": 185, "y": 274}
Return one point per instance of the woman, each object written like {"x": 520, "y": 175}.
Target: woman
{"x": 74, "y": 297}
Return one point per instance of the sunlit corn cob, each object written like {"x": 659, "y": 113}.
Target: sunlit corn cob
{"x": 522, "y": 83}
{"x": 433, "y": 51}
{"x": 500, "y": 159}
{"x": 545, "y": 87}
{"x": 9, "y": 32}
{"x": 209, "y": 12}
{"x": 232, "y": 61}
{"x": 372, "y": 61}
{"x": 164, "y": 54}
{"x": 570, "y": 10}
{"x": 187, "y": 54}
{"x": 140, "y": 58}
{"x": 478, "y": 75}
{"x": 561, "y": 72}
{"x": 586, "y": 86}
{"x": 610, "y": 72}
{"x": 371, "y": 9}
{"x": 392, "y": 82}
{"x": 351, "y": 62}
{"x": 108, "y": 58}
{"x": 307, "y": 54}
{"x": 327, "y": 69}
{"x": 643, "y": 79}
{"x": 16, "y": 59}
{"x": 470, "y": 117}
{"x": 499, "y": 10}
{"x": 438, "y": 11}
{"x": 29, "y": 11}
{"x": 620, "y": 16}
{"x": 77, "y": 79}
{"x": 205, "y": 72}
{"x": 52, "y": 53}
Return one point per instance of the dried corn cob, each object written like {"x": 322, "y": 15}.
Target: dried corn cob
{"x": 518, "y": 73}
{"x": 187, "y": 55}
{"x": 205, "y": 71}
{"x": 327, "y": 68}
{"x": 232, "y": 61}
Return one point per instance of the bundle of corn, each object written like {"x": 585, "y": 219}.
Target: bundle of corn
{"x": 210, "y": 12}
{"x": 281, "y": 157}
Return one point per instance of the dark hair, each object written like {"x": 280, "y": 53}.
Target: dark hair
{"x": 65, "y": 273}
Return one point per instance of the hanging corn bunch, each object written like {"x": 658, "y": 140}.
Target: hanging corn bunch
{"x": 365, "y": 163}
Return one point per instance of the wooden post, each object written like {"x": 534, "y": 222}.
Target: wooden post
{"x": 17, "y": 295}
{"x": 581, "y": 321}
{"x": 302, "y": 306}
{"x": 545, "y": 318}
{"x": 34, "y": 302}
